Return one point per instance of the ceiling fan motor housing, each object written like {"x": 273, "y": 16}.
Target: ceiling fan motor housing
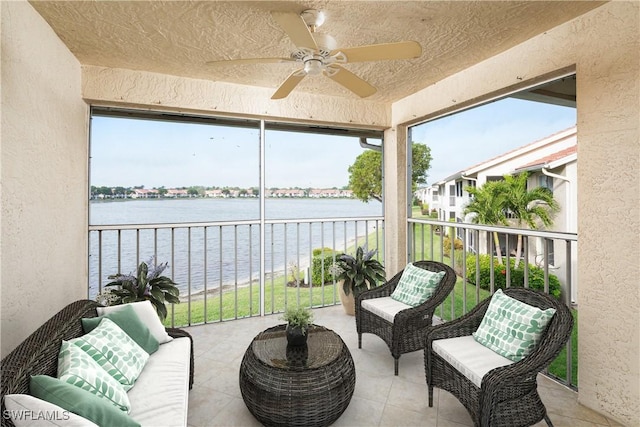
{"x": 313, "y": 66}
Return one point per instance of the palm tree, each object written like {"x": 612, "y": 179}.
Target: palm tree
{"x": 487, "y": 203}
{"x": 530, "y": 207}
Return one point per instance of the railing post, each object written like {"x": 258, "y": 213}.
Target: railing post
{"x": 262, "y": 216}
{"x": 567, "y": 300}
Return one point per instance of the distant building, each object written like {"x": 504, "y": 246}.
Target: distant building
{"x": 318, "y": 193}
{"x": 286, "y": 192}
{"x": 173, "y": 193}
{"x": 142, "y": 193}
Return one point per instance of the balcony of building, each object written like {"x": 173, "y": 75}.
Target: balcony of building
{"x": 61, "y": 58}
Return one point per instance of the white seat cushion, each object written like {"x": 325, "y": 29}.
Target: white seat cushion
{"x": 385, "y": 307}
{"x": 160, "y": 396}
{"x": 469, "y": 357}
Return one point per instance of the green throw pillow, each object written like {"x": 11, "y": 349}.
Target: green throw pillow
{"x": 78, "y": 368}
{"x": 512, "y": 328}
{"x": 416, "y": 285}
{"x": 114, "y": 351}
{"x": 128, "y": 321}
{"x": 79, "y": 401}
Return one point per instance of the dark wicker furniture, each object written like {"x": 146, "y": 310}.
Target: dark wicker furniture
{"x": 38, "y": 354}
{"x": 407, "y": 332}
{"x": 305, "y": 386}
{"x": 509, "y": 395}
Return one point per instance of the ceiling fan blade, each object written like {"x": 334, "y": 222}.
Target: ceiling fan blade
{"x": 296, "y": 29}
{"x": 289, "y": 84}
{"x": 251, "y": 61}
{"x": 379, "y": 52}
{"x": 349, "y": 80}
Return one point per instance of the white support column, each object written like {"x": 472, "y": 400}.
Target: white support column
{"x": 395, "y": 199}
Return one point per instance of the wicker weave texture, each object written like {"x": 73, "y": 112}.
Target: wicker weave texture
{"x": 509, "y": 394}
{"x": 286, "y": 396}
{"x": 406, "y": 334}
{"x": 38, "y": 353}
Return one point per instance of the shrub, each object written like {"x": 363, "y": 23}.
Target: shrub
{"x": 322, "y": 261}
{"x": 536, "y": 275}
{"x": 318, "y": 251}
{"x": 424, "y": 209}
{"x": 457, "y": 244}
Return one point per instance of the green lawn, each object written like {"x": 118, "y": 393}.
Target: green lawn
{"x": 559, "y": 366}
{"x": 245, "y": 303}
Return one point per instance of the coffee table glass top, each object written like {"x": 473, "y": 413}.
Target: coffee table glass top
{"x": 323, "y": 347}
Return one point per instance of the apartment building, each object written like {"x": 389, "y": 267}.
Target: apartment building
{"x": 551, "y": 162}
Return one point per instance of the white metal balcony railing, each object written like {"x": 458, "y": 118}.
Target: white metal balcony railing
{"x": 217, "y": 264}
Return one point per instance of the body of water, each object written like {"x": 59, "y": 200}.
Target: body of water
{"x": 207, "y": 257}
{"x": 159, "y": 211}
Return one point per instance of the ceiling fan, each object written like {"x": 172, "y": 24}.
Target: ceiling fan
{"x": 318, "y": 54}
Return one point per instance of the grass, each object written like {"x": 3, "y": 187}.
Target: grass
{"x": 558, "y": 367}
{"x": 245, "y": 302}
{"x": 459, "y": 305}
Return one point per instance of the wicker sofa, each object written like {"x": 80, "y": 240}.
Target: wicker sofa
{"x": 155, "y": 399}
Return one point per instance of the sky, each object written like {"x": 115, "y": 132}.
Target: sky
{"x": 131, "y": 152}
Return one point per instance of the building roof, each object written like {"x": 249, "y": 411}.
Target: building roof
{"x": 554, "y": 158}
{"x": 511, "y": 154}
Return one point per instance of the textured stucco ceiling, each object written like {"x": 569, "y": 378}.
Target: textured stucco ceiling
{"x": 179, "y": 37}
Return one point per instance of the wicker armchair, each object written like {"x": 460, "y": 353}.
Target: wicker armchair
{"x": 508, "y": 395}
{"x": 407, "y": 331}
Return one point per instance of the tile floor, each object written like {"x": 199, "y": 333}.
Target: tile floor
{"x": 380, "y": 398}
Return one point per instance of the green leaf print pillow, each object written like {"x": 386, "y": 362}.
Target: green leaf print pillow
{"x": 78, "y": 368}
{"x": 115, "y": 351}
{"x": 512, "y": 328}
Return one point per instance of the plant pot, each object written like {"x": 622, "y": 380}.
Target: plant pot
{"x": 348, "y": 301}
{"x": 297, "y": 355}
{"x": 295, "y": 336}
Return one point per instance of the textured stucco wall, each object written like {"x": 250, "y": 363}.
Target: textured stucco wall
{"x": 395, "y": 199}
{"x": 137, "y": 89}
{"x": 44, "y": 175}
{"x": 603, "y": 46}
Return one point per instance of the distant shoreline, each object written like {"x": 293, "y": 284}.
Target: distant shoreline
{"x": 132, "y": 199}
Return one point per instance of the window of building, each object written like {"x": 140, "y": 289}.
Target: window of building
{"x": 545, "y": 181}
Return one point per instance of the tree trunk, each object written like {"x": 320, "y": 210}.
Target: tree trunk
{"x": 518, "y": 251}
{"x": 498, "y": 250}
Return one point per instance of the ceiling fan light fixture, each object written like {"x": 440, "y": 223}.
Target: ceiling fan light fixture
{"x": 313, "y": 67}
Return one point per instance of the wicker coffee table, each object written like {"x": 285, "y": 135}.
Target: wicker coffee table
{"x": 303, "y": 386}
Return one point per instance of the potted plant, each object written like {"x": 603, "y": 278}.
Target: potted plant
{"x": 147, "y": 284}
{"x": 298, "y": 321}
{"x": 357, "y": 274}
